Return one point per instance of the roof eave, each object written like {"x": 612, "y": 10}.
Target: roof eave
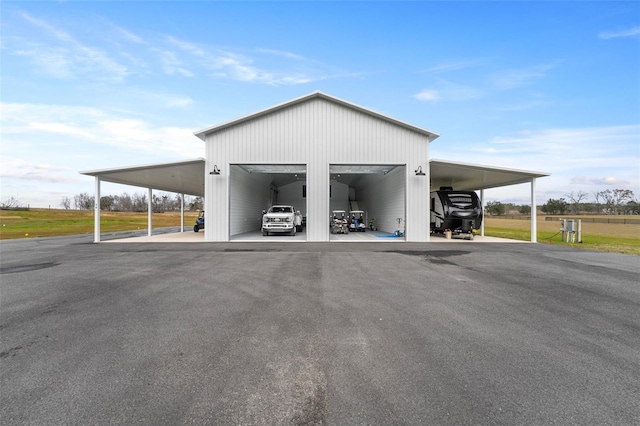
{"x": 141, "y": 167}
{"x": 530, "y": 173}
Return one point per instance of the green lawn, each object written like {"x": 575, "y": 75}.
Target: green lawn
{"x": 616, "y": 238}
{"x": 49, "y": 223}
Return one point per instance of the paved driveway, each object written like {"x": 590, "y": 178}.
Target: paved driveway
{"x": 328, "y": 333}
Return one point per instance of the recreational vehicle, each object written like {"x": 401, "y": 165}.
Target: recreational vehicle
{"x": 457, "y": 211}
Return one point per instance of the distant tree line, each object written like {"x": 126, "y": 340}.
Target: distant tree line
{"x": 137, "y": 202}
{"x": 609, "y": 201}
{"x": 12, "y": 203}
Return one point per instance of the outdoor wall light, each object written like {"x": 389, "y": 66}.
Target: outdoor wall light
{"x": 216, "y": 170}
{"x": 419, "y": 171}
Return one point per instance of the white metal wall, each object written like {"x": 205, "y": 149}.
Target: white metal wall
{"x": 249, "y": 196}
{"x": 383, "y": 197}
{"x": 291, "y": 194}
{"x": 339, "y": 198}
{"x": 317, "y": 132}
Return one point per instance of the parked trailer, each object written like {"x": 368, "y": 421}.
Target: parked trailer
{"x": 457, "y": 211}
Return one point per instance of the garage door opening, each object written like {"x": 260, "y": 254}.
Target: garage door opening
{"x": 254, "y": 188}
{"x": 369, "y": 195}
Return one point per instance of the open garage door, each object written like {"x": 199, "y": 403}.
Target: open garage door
{"x": 256, "y": 187}
{"x": 371, "y": 194}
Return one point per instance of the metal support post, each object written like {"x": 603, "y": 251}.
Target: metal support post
{"x": 580, "y": 230}
{"x": 534, "y": 225}
{"x": 149, "y": 212}
{"x": 181, "y": 212}
{"x": 96, "y": 212}
{"x": 482, "y": 203}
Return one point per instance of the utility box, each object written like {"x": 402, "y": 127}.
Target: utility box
{"x": 571, "y": 228}
{"x": 570, "y": 225}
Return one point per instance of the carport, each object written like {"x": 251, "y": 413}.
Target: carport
{"x": 475, "y": 177}
{"x": 182, "y": 177}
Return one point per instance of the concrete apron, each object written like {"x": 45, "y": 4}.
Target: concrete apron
{"x": 198, "y": 237}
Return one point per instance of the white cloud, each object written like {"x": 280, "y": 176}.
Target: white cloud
{"x": 16, "y": 168}
{"x": 49, "y": 60}
{"x": 61, "y": 56}
{"x": 589, "y": 159}
{"x": 129, "y": 36}
{"x": 63, "y": 129}
{"x": 571, "y": 143}
{"x": 448, "y": 91}
{"x": 58, "y": 53}
{"x": 427, "y": 95}
{"x": 600, "y": 181}
{"x": 282, "y": 53}
{"x": 187, "y": 47}
{"x": 81, "y": 125}
{"x": 171, "y": 64}
{"x": 57, "y": 33}
{"x": 454, "y": 66}
{"x": 633, "y": 32}
{"x": 16, "y": 117}
{"x": 511, "y": 79}
{"x": 291, "y": 69}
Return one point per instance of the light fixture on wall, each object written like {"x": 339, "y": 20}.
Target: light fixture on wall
{"x": 216, "y": 170}
{"x": 419, "y": 171}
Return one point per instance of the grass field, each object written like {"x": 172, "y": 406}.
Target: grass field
{"x": 50, "y": 223}
{"x": 613, "y": 237}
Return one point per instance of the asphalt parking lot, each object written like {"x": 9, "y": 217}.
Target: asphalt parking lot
{"x": 318, "y": 333}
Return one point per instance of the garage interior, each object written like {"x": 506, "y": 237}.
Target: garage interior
{"x": 378, "y": 190}
{"x": 256, "y": 187}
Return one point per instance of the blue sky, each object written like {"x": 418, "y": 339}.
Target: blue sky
{"x": 543, "y": 86}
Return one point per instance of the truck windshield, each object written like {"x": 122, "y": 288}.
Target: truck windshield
{"x": 277, "y": 209}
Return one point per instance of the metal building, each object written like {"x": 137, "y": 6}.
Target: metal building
{"x": 319, "y": 154}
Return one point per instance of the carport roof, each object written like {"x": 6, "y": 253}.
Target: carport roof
{"x": 182, "y": 177}
{"x": 187, "y": 177}
{"x": 470, "y": 177}
{"x": 317, "y": 95}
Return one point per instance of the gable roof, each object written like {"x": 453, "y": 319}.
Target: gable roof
{"x": 202, "y": 134}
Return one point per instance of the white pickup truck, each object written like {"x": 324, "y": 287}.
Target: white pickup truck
{"x": 281, "y": 219}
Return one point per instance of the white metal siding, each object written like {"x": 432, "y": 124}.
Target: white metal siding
{"x": 249, "y": 196}
{"x": 291, "y": 194}
{"x": 383, "y": 197}
{"x": 339, "y": 197}
{"x": 318, "y": 133}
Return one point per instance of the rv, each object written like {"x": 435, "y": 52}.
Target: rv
{"x": 457, "y": 211}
